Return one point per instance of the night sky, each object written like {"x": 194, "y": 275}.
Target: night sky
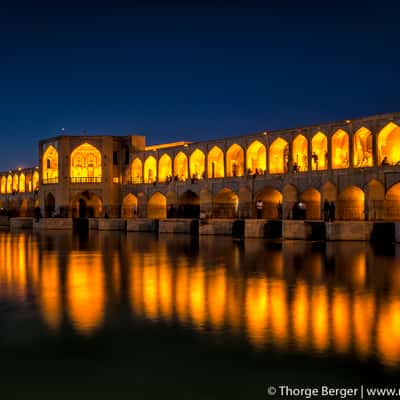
{"x": 187, "y": 71}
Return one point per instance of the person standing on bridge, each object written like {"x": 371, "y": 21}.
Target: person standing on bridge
{"x": 259, "y": 208}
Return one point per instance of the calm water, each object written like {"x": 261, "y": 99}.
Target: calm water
{"x": 115, "y": 314}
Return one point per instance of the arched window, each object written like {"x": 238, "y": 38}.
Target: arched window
{"x": 319, "y": 149}
{"x": 256, "y": 159}
{"x": 235, "y": 161}
{"x": 137, "y": 171}
{"x": 86, "y": 164}
{"x": 278, "y": 156}
{"x": 50, "y": 165}
{"x": 363, "y": 148}
{"x": 340, "y": 149}
{"x": 22, "y": 182}
{"x": 389, "y": 144}
{"x": 15, "y": 183}
{"x": 215, "y": 163}
{"x": 300, "y": 153}
{"x": 197, "y": 164}
{"x": 181, "y": 166}
{"x": 164, "y": 168}
{"x": 150, "y": 170}
{"x": 3, "y": 185}
{"x": 9, "y": 184}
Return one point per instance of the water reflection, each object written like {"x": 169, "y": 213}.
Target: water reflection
{"x": 338, "y": 299}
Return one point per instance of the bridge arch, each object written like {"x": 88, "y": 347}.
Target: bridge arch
{"x": 3, "y": 187}
{"x": 189, "y": 205}
{"x": 278, "y": 156}
{"x": 319, "y": 149}
{"x": 375, "y": 193}
{"x": 197, "y": 164}
{"x": 300, "y": 153}
{"x": 181, "y": 169}
{"x": 392, "y": 203}
{"x": 129, "y": 206}
{"x": 226, "y": 204}
{"x": 256, "y": 157}
{"x": 164, "y": 168}
{"x": 350, "y": 205}
{"x": 21, "y": 187}
{"x": 86, "y": 163}
{"x": 363, "y": 148}
{"x": 137, "y": 170}
{"x": 340, "y": 149}
{"x": 215, "y": 163}
{"x": 157, "y": 206}
{"x": 272, "y": 202}
{"x": 235, "y": 161}
{"x": 86, "y": 205}
{"x": 389, "y": 144}
{"x": 9, "y": 184}
{"x": 312, "y": 200}
{"x": 50, "y": 161}
{"x": 150, "y": 170}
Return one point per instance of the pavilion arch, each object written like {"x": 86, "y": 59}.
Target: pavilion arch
{"x": 189, "y": 205}
{"x": 21, "y": 186}
{"x": 389, "y": 144}
{"x": 226, "y": 204}
{"x": 35, "y": 181}
{"x": 363, "y": 148}
{"x": 235, "y": 161}
{"x": 157, "y": 206}
{"x": 86, "y": 205}
{"x": 137, "y": 171}
{"x": 375, "y": 193}
{"x": 50, "y": 160}
{"x": 215, "y": 163}
{"x": 86, "y": 164}
{"x": 278, "y": 156}
{"x": 256, "y": 157}
{"x": 272, "y": 201}
{"x": 392, "y": 203}
{"x": 164, "y": 168}
{"x": 15, "y": 184}
{"x": 9, "y": 184}
{"x": 181, "y": 169}
{"x": 197, "y": 164}
{"x": 3, "y": 186}
{"x": 350, "y": 205}
{"x": 319, "y": 152}
{"x": 340, "y": 149}
{"x": 129, "y": 206}
{"x": 312, "y": 200}
{"x": 150, "y": 170}
{"x": 300, "y": 153}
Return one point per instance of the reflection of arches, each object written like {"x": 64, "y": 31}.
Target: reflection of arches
{"x": 256, "y": 157}
{"x": 86, "y": 205}
{"x": 86, "y": 164}
{"x": 189, "y": 205}
{"x": 351, "y": 204}
{"x": 197, "y": 164}
{"x": 3, "y": 188}
{"x": 389, "y": 144}
{"x": 49, "y": 205}
{"x": 234, "y": 161}
{"x": 300, "y": 153}
{"x": 50, "y": 165}
{"x": 272, "y": 201}
{"x": 340, "y": 149}
{"x": 312, "y": 200}
{"x": 278, "y": 156}
{"x": 363, "y": 148}
{"x": 375, "y": 192}
{"x": 22, "y": 182}
{"x": 157, "y": 206}
{"x": 215, "y": 163}
{"x": 129, "y": 206}
{"x": 137, "y": 171}
{"x": 226, "y": 204}
{"x": 392, "y": 203}
{"x": 319, "y": 149}
{"x": 150, "y": 170}
{"x": 181, "y": 166}
{"x": 164, "y": 168}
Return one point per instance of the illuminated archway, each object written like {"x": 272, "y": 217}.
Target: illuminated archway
{"x": 278, "y": 156}
{"x": 157, "y": 206}
{"x": 50, "y": 165}
{"x": 15, "y": 183}
{"x": 9, "y": 184}
{"x": 129, "y": 206}
{"x": 86, "y": 164}
{"x": 300, "y": 153}
{"x": 389, "y": 144}
{"x": 235, "y": 161}
{"x": 181, "y": 166}
{"x": 312, "y": 200}
{"x": 375, "y": 192}
{"x": 164, "y": 168}
{"x": 137, "y": 171}
{"x": 256, "y": 157}
{"x": 35, "y": 181}
{"x": 215, "y": 163}
{"x": 329, "y": 192}
{"x": 363, "y": 148}
{"x": 351, "y": 204}
{"x": 226, "y": 204}
{"x": 272, "y": 203}
{"x": 3, "y": 185}
{"x": 197, "y": 164}
{"x": 319, "y": 149}
{"x": 150, "y": 170}
{"x": 22, "y": 182}
{"x": 340, "y": 149}
{"x": 392, "y": 203}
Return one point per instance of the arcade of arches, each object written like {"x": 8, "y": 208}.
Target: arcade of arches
{"x": 50, "y": 165}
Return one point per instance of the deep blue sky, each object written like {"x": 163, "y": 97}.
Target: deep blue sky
{"x": 190, "y": 71}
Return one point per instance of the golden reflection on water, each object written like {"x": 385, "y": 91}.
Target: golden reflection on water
{"x": 342, "y": 299}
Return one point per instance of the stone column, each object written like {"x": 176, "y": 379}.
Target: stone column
{"x": 309, "y": 151}
{"x": 351, "y": 148}
{"x": 329, "y": 139}
{"x": 375, "y": 158}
